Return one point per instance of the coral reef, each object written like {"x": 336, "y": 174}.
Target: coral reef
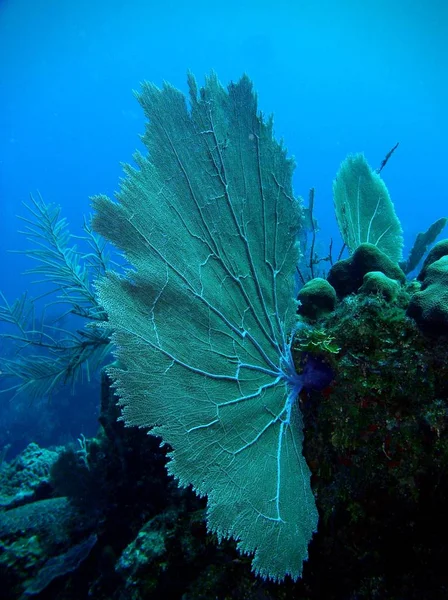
{"x": 375, "y": 440}
{"x": 213, "y": 369}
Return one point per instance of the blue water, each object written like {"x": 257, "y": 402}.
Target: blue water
{"x": 340, "y": 77}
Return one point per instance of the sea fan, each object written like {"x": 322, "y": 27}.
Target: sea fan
{"x": 203, "y": 320}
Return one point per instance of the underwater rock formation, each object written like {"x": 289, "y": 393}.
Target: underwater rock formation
{"x": 317, "y": 298}
{"x": 38, "y": 530}
{"x": 346, "y": 276}
{"x": 429, "y": 306}
{"x": 437, "y": 251}
{"x": 27, "y": 477}
{"x": 376, "y": 282}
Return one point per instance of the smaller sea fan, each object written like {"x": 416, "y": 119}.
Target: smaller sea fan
{"x": 364, "y": 210}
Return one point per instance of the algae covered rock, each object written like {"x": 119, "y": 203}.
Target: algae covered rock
{"x": 33, "y": 534}
{"x": 27, "y": 476}
{"x": 347, "y": 276}
{"x": 376, "y": 282}
{"x": 376, "y": 441}
{"x": 429, "y": 306}
{"x": 436, "y": 252}
{"x": 317, "y": 297}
